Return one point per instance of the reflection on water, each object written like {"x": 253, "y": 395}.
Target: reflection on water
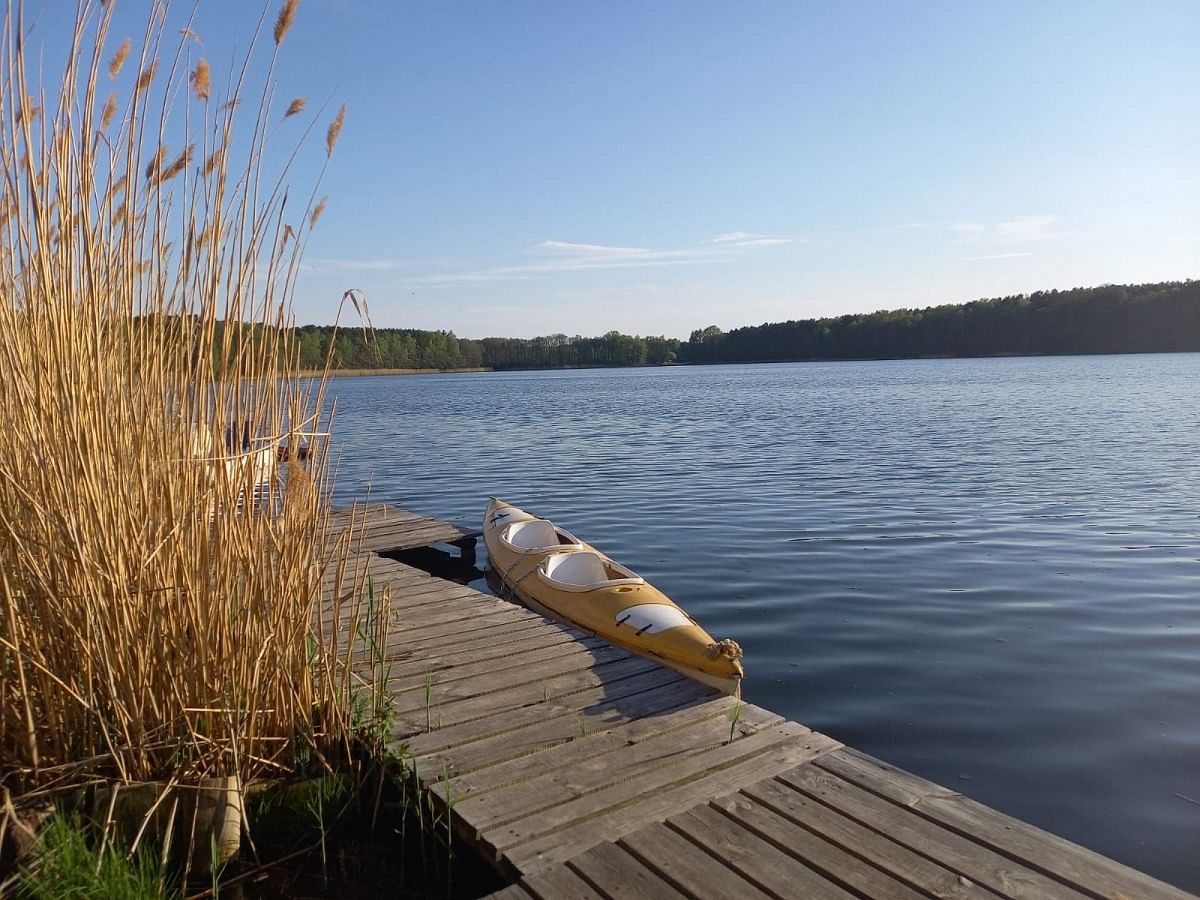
{"x": 986, "y": 571}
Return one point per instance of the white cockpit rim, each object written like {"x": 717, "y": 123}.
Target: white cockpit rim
{"x": 584, "y": 570}
{"x": 537, "y": 534}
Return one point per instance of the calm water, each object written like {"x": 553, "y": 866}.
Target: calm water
{"x": 984, "y": 571}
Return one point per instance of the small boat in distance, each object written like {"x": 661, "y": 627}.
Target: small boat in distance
{"x": 559, "y": 575}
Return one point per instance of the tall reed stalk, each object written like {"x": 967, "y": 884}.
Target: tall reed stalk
{"x": 155, "y": 623}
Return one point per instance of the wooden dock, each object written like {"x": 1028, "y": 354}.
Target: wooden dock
{"x": 581, "y": 770}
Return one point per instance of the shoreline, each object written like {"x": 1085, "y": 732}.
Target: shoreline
{"x": 360, "y": 373}
{"x": 356, "y": 373}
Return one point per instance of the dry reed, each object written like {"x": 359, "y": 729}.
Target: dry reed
{"x": 154, "y": 622}
{"x": 335, "y": 129}
{"x": 287, "y": 15}
{"x": 201, "y": 80}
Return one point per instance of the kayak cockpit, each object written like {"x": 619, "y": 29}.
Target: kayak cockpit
{"x": 585, "y": 570}
{"x": 537, "y": 534}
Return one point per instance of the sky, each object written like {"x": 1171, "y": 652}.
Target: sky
{"x": 521, "y": 168}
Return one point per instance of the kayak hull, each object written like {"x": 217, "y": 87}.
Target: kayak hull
{"x": 563, "y": 578}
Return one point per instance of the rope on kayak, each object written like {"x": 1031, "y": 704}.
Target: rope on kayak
{"x": 532, "y": 551}
{"x": 726, "y": 648}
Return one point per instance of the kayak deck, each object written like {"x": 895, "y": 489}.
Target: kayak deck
{"x": 556, "y": 574}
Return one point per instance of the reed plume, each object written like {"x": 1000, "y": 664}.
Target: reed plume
{"x": 147, "y": 76}
{"x": 178, "y": 164}
{"x": 335, "y": 128}
{"x": 110, "y": 110}
{"x": 118, "y": 58}
{"x": 287, "y": 15}
{"x": 201, "y": 80}
{"x": 315, "y": 215}
{"x": 296, "y": 106}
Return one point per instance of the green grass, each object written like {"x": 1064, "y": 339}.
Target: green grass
{"x": 66, "y": 867}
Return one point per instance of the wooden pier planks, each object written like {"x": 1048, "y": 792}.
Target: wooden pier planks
{"x": 587, "y": 771}
{"x": 846, "y": 825}
{"x": 383, "y": 529}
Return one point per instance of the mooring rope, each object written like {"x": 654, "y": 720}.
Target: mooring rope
{"x": 727, "y": 648}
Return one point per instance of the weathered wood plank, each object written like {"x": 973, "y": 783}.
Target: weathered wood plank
{"x": 365, "y": 512}
{"x": 402, "y": 537}
{"x": 560, "y": 883}
{"x": 408, "y": 658}
{"x": 763, "y": 865}
{"x": 570, "y": 739}
{"x": 686, "y": 866}
{"x": 396, "y": 521}
{"x": 1068, "y": 862}
{"x": 468, "y": 605}
{"x": 430, "y": 600}
{"x": 485, "y": 622}
{"x": 876, "y": 849}
{"x": 615, "y": 694}
{"x": 613, "y": 812}
{"x": 405, "y": 653}
{"x": 622, "y": 875}
{"x": 471, "y": 679}
{"x": 527, "y": 694}
{"x": 971, "y": 860}
{"x": 823, "y": 857}
{"x": 670, "y": 749}
{"x": 447, "y": 693}
{"x": 512, "y": 892}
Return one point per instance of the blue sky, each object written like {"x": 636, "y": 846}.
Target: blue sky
{"x": 520, "y": 168}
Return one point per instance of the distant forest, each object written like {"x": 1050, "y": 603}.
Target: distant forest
{"x": 1109, "y": 319}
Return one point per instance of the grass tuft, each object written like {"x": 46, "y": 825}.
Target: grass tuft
{"x": 64, "y": 865}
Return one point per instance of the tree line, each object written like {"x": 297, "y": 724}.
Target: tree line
{"x": 1109, "y": 319}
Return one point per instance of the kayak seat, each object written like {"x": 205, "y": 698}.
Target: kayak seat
{"x": 584, "y": 570}
{"x": 537, "y": 534}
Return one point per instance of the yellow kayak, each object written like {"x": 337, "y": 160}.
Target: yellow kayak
{"x": 557, "y": 574}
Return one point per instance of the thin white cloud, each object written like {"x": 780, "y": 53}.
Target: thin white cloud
{"x": 593, "y": 251}
{"x": 1027, "y": 228}
{"x": 1022, "y": 229}
{"x": 569, "y": 256}
{"x": 354, "y": 265}
{"x": 747, "y": 239}
{"x": 568, "y": 264}
{"x": 997, "y": 256}
{"x": 767, "y": 242}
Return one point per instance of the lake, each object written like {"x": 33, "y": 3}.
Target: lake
{"x": 985, "y": 571}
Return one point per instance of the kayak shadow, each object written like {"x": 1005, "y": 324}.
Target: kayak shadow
{"x": 601, "y": 682}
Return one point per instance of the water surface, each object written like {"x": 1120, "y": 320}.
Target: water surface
{"x": 984, "y": 571}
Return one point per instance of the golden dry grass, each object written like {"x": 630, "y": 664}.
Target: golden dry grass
{"x": 152, "y": 626}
